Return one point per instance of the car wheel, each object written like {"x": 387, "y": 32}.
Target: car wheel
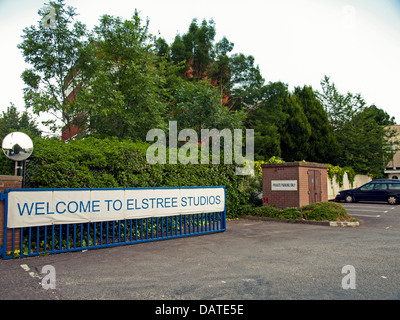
{"x": 348, "y": 198}
{"x": 392, "y": 200}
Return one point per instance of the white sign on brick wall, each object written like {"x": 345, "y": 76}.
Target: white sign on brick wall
{"x": 284, "y": 185}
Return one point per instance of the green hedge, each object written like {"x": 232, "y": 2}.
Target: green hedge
{"x": 320, "y": 211}
{"x": 105, "y": 163}
{"x": 7, "y": 166}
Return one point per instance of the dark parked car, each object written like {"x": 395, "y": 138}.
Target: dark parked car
{"x": 376, "y": 190}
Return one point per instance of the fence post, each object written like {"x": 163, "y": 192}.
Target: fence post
{"x": 8, "y": 182}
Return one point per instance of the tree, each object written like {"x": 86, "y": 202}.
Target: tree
{"x": 197, "y": 106}
{"x": 246, "y": 82}
{"x": 162, "y": 48}
{"x": 195, "y": 48}
{"x": 54, "y": 54}
{"x": 221, "y": 70}
{"x": 359, "y": 129}
{"x": 340, "y": 108}
{"x": 125, "y": 90}
{"x": 293, "y": 126}
{"x": 322, "y": 145}
{"x": 11, "y": 121}
{"x": 267, "y": 118}
{"x": 370, "y": 129}
{"x": 236, "y": 76}
{"x": 295, "y": 131}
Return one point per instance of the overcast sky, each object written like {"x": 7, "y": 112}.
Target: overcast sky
{"x": 355, "y": 42}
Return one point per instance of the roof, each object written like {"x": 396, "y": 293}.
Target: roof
{"x": 295, "y": 164}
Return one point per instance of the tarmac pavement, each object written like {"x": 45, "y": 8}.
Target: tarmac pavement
{"x": 252, "y": 260}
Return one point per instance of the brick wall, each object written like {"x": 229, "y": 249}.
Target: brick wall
{"x": 279, "y": 198}
{"x": 304, "y": 197}
{"x": 8, "y": 182}
{"x": 292, "y": 171}
{"x": 324, "y": 180}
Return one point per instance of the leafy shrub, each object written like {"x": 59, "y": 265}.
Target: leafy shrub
{"x": 101, "y": 163}
{"x": 320, "y": 211}
{"x": 7, "y": 166}
{"x": 331, "y": 211}
{"x": 257, "y": 164}
{"x": 338, "y": 172}
{"x": 292, "y": 213}
{"x": 266, "y": 211}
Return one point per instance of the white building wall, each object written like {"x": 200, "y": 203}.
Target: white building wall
{"x": 334, "y": 188}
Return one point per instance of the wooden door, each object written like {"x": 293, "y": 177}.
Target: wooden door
{"x": 314, "y": 186}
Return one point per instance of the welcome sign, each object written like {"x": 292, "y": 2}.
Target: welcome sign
{"x": 62, "y": 206}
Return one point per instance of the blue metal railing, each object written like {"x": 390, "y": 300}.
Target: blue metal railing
{"x": 59, "y": 238}
{"x": 34, "y": 241}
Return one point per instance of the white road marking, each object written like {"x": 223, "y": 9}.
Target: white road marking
{"x": 366, "y": 215}
{"x": 32, "y": 274}
{"x": 361, "y": 210}
{"x": 25, "y": 267}
{"x": 361, "y": 206}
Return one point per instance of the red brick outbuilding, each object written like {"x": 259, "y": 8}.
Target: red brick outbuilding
{"x": 294, "y": 184}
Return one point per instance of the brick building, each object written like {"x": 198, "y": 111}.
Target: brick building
{"x": 294, "y": 184}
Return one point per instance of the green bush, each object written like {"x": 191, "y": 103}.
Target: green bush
{"x": 320, "y": 211}
{"x": 331, "y": 211}
{"x": 7, "y": 166}
{"x": 266, "y": 211}
{"x": 292, "y": 213}
{"x": 102, "y": 163}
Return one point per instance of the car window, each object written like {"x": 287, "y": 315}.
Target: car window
{"x": 380, "y": 186}
{"x": 394, "y": 186}
{"x": 367, "y": 187}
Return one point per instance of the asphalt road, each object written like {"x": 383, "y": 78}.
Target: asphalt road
{"x": 252, "y": 260}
